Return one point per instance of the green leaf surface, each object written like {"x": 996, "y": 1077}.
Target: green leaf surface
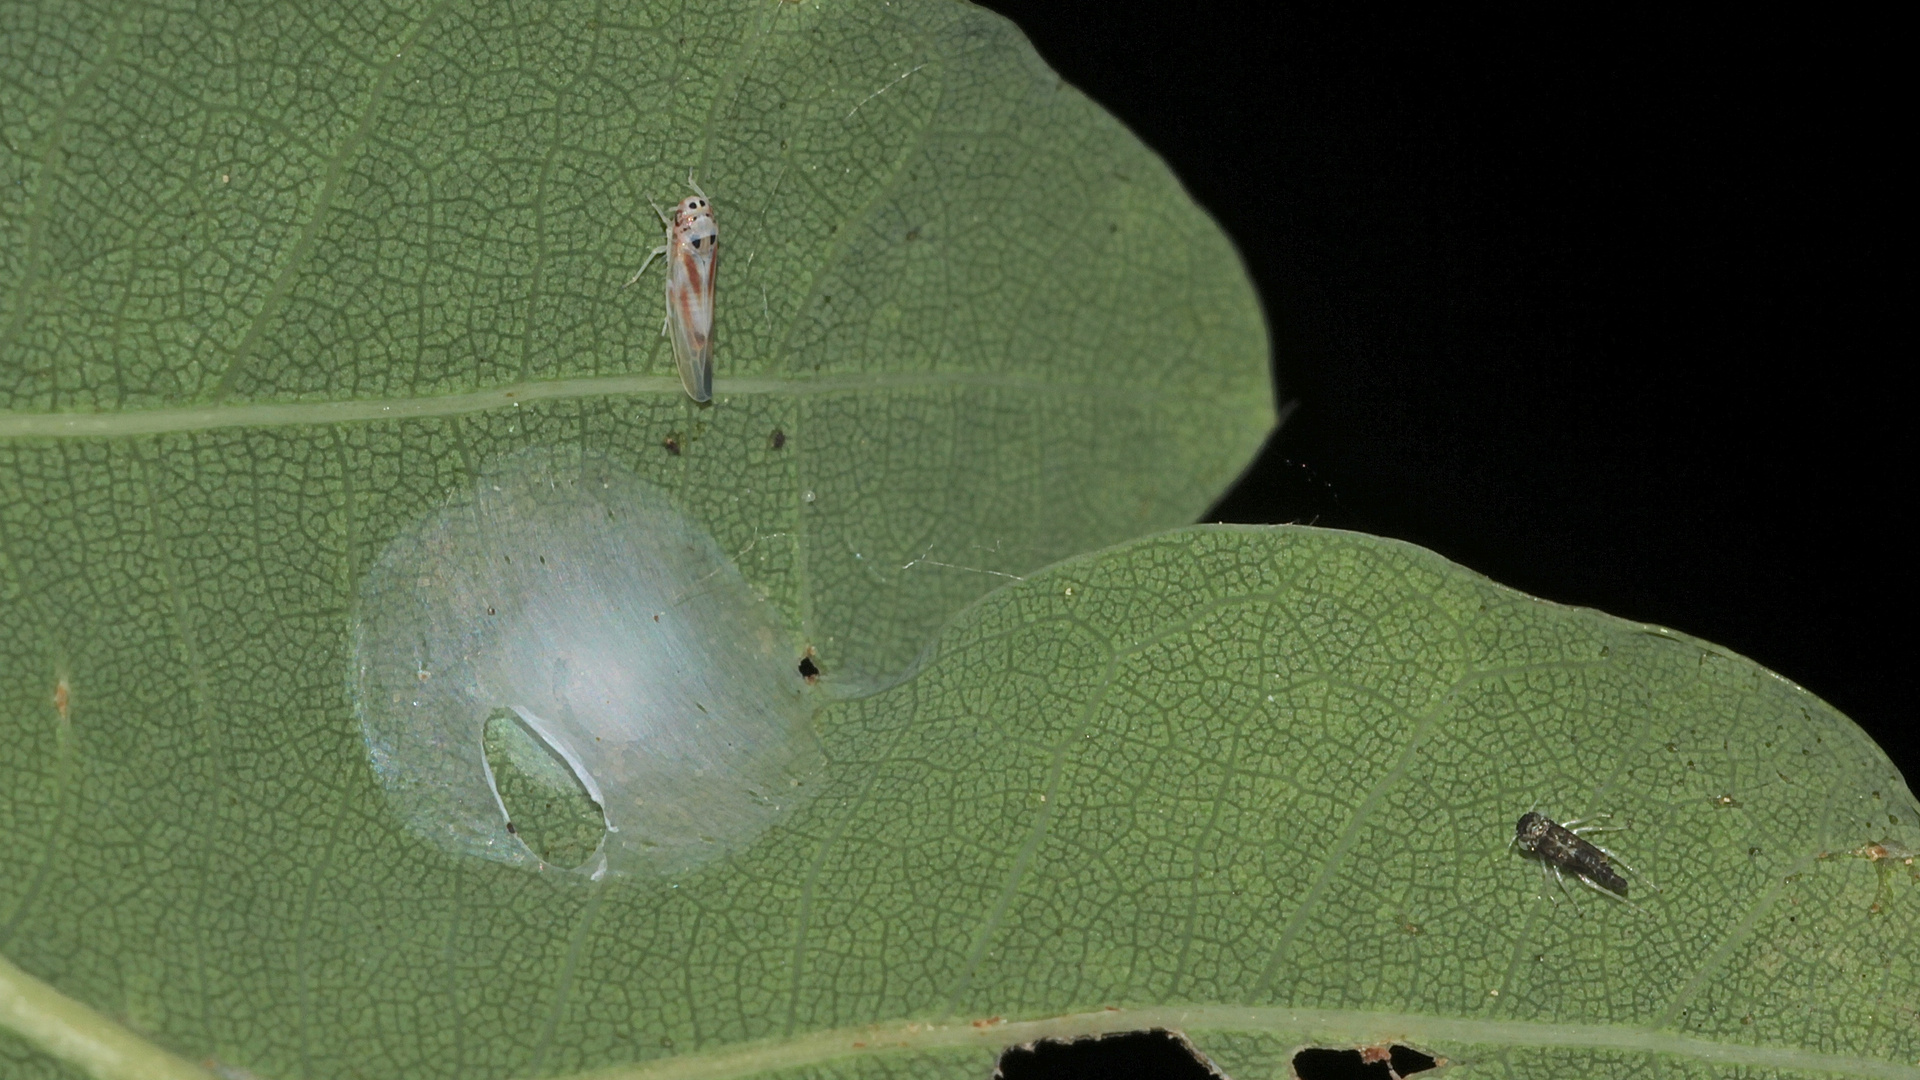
{"x": 1253, "y": 783}
{"x": 967, "y": 325}
{"x": 274, "y": 283}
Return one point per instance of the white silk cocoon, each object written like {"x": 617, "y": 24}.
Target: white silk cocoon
{"x": 576, "y": 595}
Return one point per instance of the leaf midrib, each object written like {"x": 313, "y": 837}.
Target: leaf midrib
{"x": 160, "y": 421}
{"x": 1329, "y": 1027}
{"x": 53, "y": 1022}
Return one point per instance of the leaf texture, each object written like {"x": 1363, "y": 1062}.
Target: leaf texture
{"x": 274, "y": 282}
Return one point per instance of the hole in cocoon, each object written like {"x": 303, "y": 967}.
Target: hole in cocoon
{"x": 543, "y": 797}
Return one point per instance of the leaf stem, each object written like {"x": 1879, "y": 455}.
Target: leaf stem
{"x": 73, "y": 1033}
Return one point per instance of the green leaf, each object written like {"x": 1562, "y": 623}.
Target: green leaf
{"x": 275, "y": 281}
{"x": 967, "y": 325}
{"x": 275, "y": 284}
{"x": 1264, "y": 781}
{"x": 1254, "y": 784}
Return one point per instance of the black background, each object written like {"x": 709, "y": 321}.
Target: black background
{"x": 1598, "y": 306}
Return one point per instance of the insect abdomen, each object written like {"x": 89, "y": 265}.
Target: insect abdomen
{"x": 1594, "y": 866}
{"x": 1569, "y": 852}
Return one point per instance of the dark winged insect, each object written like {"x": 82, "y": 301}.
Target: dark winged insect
{"x": 1564, "y": 850}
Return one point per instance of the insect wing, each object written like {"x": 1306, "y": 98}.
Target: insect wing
{"x": 693, "y": 259}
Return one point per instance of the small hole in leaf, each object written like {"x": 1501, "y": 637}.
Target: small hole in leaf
{"x": 1131, "y": 1055}
{"x": 1408, "y": 1061}
{"x": 1372, "y": 1063}
{"x": 808, "y": 669}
